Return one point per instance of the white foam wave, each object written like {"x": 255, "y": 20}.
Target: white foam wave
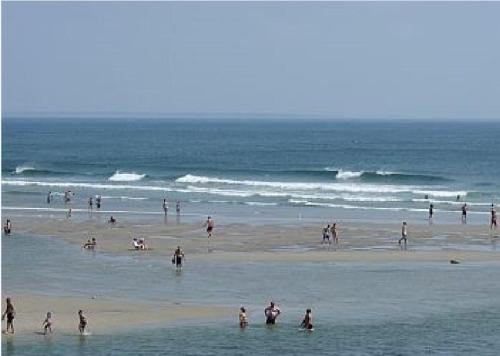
{"x": 440, "y": 193}
{"x": 384, "y": 173}
{"x": 122, "y": 197}
{"x": 23, "y": 168}
{"x": 258, "y": 203}
{"x": 126, "y": 177}
{"x": 348, "y": 174}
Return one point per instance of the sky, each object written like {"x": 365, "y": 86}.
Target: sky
{"x": 381, "y": 60}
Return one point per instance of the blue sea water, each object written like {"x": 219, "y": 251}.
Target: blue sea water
{"x": 255, "y": 169}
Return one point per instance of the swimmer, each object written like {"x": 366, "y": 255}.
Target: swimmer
{"x": 307, "y": 322}
{"x": 82, "y": 324}
{"x": 210, "y": 226}
{"x": 47, "y": 324}
{"x": 243, "y": 318}
{"x": 10, "y": 313}
{"x": 88, "y": 244}
{"x": 271, "y": 313}
{"x": 404, "y": 235}
{"x": 112, "y": 220}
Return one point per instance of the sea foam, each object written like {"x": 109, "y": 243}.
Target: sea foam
{"x": 126, "y": 177}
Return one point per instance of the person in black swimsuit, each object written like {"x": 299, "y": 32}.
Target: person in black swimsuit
{"x": 10, "y": 313}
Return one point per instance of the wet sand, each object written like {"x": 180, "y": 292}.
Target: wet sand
{"x": 104, "y": 316}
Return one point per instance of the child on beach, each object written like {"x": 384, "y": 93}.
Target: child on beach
{"x": 47, "y": 324}
{"x": 82, "y": 324}
{"x": 404, "y": 235}
{"x": 243, "y": 318}
{"x": 307, "y": 322}
{"x": 10, "y": 313}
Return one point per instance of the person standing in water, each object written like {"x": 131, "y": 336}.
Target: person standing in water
{"x": 98, "y": 202}
{"x": 464, "y": 213}
{"x": 49, "y": 197}
{"x": 404, "y": 235}
{"x": 177, "y": 258}
{"x": 7, "y": 228}
{"x": 493, "y": 222}
{"x": 326, "y": 234}
{"x": 165, "y": 206}
{"x": 271, "y": 313}
{"x": 210, "y": 226}
{"x": 242, "y": 317}
{"x": 10, "y": 313}
{"x": 91, "y": 203}
{"x": 47, "y": 323}
{"x": 307, "y": 321}
{"x": 431, "y": 211}
{"x": 335, "y": 234}
{"x": 178, "y": 207}
{"x": 82, "y": 323}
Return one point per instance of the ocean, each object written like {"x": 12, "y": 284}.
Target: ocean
{"x": 254, "y": 170}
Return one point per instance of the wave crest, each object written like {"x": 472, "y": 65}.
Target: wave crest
{"x": 126, "y": 177}
{"x": 23, "y": 168}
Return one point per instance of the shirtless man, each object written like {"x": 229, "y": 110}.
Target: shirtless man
{"x": 271, "y": 313}
{"x": 47, "y": 324}
{"x": 307, "y": 322}
{"x": 177, "y": 258}
{"x": 210, "y": 226}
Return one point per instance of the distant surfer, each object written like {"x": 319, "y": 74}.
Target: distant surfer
{"x": 242, "y": 317}
{"x": 10, "y": 313}
{"x": 404, "y": 235}
{"x": 82, "y": 324}
{"x": 210, "y": 226}
{"x": 307, "y": 321}
{"x": 464, "y": 213}
{"x": 271, "y": 313}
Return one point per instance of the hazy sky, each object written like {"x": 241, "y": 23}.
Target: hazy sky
{"x": 339, "y": 60}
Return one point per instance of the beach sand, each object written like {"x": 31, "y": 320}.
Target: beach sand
{"x": 358, "y": 241}
{"x": 104, "y": 316}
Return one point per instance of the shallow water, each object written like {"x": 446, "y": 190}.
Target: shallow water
{"x": 396, "y": 308}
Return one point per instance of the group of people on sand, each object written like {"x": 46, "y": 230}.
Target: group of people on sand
{"x": 47, "y": 323}
{"x": 271, "y": 312}
{"x": 330, "y": 231}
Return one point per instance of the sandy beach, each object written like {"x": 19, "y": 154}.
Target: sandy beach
{"x": 358, "y": 241}
{"x": 104, "y": 316}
